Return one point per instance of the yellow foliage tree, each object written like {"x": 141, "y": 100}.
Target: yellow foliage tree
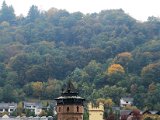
{"x": 115, "y": 68}
{"x": 37, "y": 88}
{"x": 107, "y": 102}
{"x": 19, "y": 109}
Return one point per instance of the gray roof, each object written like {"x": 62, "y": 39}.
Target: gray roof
{"x": 127, "y": 99}
{"x": 36, "y": 104}
{"x": 8, "y": 105}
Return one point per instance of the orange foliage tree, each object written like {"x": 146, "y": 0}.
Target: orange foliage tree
{"x": 115, "y": 68}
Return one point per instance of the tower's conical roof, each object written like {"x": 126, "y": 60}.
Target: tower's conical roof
{"x": 69, "y": 95}
{"x": 69, "y": 88}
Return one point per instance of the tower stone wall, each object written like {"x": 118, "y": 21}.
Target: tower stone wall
{"x": 70, "y": 112}
{"x": 96, "y": 112}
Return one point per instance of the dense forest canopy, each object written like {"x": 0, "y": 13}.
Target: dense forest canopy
{"x": 107, "y": 55}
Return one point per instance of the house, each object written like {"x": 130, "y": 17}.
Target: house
{"x": 126, "y": 101}
{"x": 35, "y": 107}
{"x": 8, "y": 107}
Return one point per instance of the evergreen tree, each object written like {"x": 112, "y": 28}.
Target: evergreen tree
{"x": 7, "y": 13}
{"x": 33, "y": 13}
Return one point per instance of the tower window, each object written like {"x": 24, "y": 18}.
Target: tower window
{"x": 77, "y": 109}
{"x": 67, "y": 109}
{"x": 59, "y": 109}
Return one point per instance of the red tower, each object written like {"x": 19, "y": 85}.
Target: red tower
{"x": 69, "y": 104}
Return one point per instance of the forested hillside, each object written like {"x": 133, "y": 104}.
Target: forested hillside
{"x": 107, "y": 55}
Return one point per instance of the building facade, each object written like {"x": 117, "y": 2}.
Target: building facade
{"x": 69, "y": 104}
{"x": 96, "y": 113}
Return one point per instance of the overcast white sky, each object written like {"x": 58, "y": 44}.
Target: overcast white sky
{"x": 139, "y": 9}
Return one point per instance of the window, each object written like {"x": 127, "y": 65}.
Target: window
{"x": 77, "y": 109}
{"x": 59, "y": 109}
{"x": 11, "y": 110}
{"x": 67, "y": 109}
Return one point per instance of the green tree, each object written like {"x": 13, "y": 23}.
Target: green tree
{"x": 150, "y": 73}
{"x": 79, "y": 75}
{"x": 29, "y": 112}
{"x": 20, "y": 63}
{"x": 36, "y": 73}
{"x": 33, "y": 13}
{"x": 52, "y": 89}
{"x": 7, "y": 13}
{"x": 113, "y": 92}
{"x": 93, "y": 68}
{"x": 1, "y": 93}
{"x": 9, "y": 94}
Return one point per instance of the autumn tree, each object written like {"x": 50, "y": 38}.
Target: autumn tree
{"x": 115, "y": 69}
{"x": 152, "y": 87}
{"x": 115, "y": 73}
{"x": 123, "y": 59}
{"x": 107, "y": 102}
{"x": 37, "y": 89}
